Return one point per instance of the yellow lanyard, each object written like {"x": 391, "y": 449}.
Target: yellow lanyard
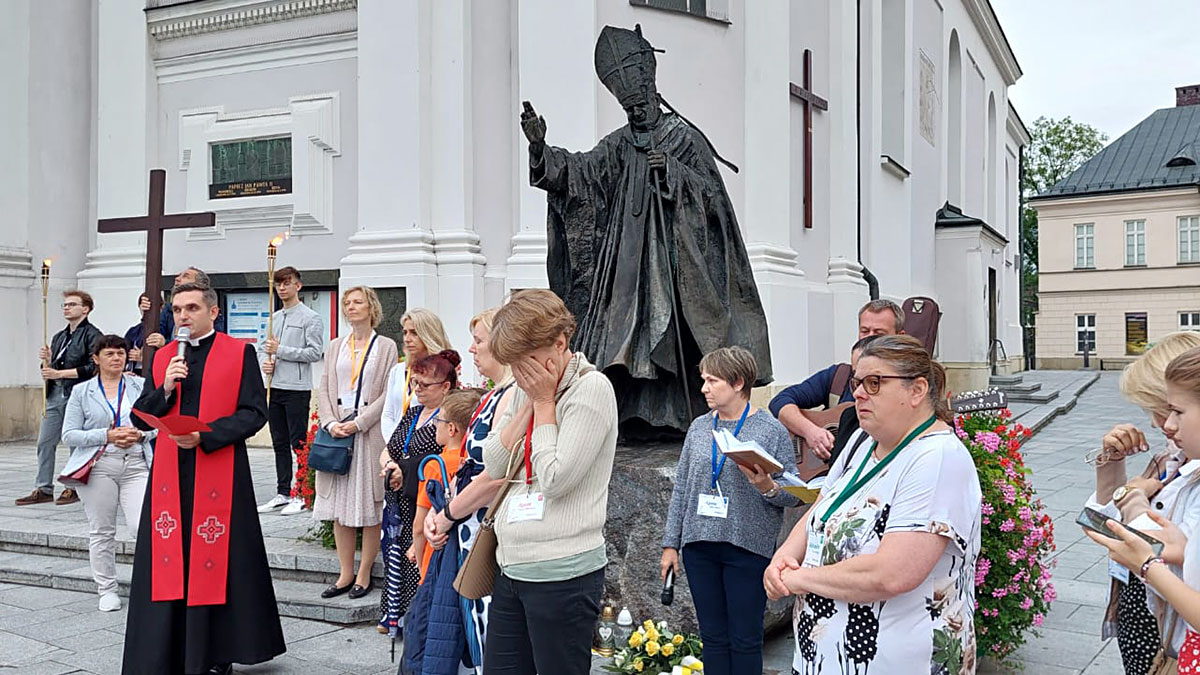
{"x": 356, "y": 365}
{"x": 407, "y": 390}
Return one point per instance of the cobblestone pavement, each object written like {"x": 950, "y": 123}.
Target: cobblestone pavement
{"x": 47, "y": 631}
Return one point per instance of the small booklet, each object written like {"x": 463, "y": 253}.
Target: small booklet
{"x": 807, "y": 492}
{"x": 173, "y": 425}
{"x": 746, "y": 453}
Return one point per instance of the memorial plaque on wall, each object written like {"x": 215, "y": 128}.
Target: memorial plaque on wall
{"x": 1135, "y": 334}
{"x": 395, "y": 303}
{"x": 251, "y": 168}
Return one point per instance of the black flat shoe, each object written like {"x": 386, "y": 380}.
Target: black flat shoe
{"x": 358, "y": 591}
{"x": 333, "y": 591}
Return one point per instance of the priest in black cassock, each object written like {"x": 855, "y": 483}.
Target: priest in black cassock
{"x": 201, "y": 597}
{"x": 644, "y": 247}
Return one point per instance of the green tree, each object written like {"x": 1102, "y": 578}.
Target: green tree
{"x": 1057, "y": 148}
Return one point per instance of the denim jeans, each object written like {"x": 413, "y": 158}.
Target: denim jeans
{"x": 49, "y": 437}
{"x": 727, "y": 589}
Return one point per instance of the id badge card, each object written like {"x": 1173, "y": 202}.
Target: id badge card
{"x": 528, "y": 506}
{"x": 812, "y": 554}
{"x": 346, "y": 399}
{"x": 713, "y": 506}
{"x": 1118, "y": 571}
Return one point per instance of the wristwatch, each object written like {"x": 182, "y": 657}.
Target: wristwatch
{"x": 772, "y": 492}
{"x": 1122, "y": 492}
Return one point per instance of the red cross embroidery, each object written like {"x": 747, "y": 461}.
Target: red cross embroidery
{"x": 211, "y": 530}
{"x": 165, "y": 525}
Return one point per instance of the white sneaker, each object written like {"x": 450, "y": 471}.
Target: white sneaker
{"x": 276, "y": 502}
{"x": 296, "y": 505}
{"x": 109, "y": 602}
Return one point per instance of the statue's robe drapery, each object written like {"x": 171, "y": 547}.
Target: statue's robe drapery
{"x": 611, "y": 261}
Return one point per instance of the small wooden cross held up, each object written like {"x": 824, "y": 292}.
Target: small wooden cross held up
{"x": 810, "y": 101}
{"x": 153, "y": 225}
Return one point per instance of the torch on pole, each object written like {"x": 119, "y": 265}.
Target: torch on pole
{"x": 272, "y": 250}
{"x": 45, "y": 322}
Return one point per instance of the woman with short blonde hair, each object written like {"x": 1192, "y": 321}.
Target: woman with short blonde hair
{"x": 372, "y": 299}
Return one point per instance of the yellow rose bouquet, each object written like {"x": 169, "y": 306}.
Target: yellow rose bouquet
{"x": 654, "y": 649}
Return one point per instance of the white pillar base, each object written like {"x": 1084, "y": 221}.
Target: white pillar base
{"x": 460, "y": 268}
{"x": 527, "y": 264}
{"x": 391, "y": 259}
{"x": 785, "y": 295}
{"x": 115, "y": 275}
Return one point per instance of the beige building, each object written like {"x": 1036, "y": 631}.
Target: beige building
{"x": 1119, "y": 244}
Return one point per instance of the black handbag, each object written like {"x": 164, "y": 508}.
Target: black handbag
{"x": 329, "y": 453}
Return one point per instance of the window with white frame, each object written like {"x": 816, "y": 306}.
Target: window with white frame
{"x": 1189, "y": 321}
{"x": 1135, "y": 243}
{"x": 1189, "y": 239}
{"x": 1085, "y": 333}
{"x": 1085, "y": 245}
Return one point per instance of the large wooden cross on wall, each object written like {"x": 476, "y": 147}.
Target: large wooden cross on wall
{"x": 153, "y": 225}
{"x": 810, "y": 101}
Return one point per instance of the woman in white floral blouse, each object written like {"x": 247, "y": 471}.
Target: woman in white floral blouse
{"x": 883, "y": 565}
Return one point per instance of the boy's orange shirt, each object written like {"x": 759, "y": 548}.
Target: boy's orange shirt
{"x": 452, "y": 458}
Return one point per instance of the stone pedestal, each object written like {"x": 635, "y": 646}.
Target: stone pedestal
{"x": 638, "y": 495}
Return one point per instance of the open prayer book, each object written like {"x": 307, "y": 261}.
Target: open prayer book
{"x": 746, "y": 453}
{"x": 807, "y": 492}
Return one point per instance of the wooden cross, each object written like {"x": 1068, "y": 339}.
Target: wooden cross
{"x": 153, "y": 225}
{"x": 810, "y": 101}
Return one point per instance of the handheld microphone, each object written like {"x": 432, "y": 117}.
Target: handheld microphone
{"x": 668, "y": 590}
{"x": 181, "y": 339}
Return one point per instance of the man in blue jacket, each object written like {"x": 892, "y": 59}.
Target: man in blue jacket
{"x": 878, "y": 317}
{"x": 166, "y": 321}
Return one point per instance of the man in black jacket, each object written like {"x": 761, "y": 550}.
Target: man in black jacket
{"x": 67, "y": 360}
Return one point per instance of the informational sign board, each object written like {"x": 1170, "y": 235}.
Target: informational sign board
{"x": 247, "y": 315}
{"x": 1135, "y": 334}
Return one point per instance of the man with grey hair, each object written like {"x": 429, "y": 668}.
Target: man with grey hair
{"x": 166, "y": 322}
{"x": 830, "y": 388}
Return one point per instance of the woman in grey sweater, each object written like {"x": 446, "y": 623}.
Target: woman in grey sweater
{"x": 727, "y": 521}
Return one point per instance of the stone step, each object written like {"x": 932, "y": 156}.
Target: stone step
{"x": 289, "y": 560}
{"x": 1032, "y": 397}
{"x": 1020, "y": 388}
{"x": 298, "y": 599}
{"x": 1006, "y": 380}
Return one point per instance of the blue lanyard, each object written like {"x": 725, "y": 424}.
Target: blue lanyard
{"x": 717, "y": 468}
{"x": 413, "y": 427}
{"x": 120, "y": 396}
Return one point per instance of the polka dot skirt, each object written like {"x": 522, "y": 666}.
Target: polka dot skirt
{"x": 1137, "y": 630}
{"x": 1189, "y": 654}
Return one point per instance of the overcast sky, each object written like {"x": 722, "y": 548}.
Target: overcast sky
{"x": 1109, "y": 63}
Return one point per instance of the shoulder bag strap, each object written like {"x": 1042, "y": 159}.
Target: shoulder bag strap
{"x": 362, "y": 374}
{"x": 841, "y": 377}
{"x": 509, "y": 476}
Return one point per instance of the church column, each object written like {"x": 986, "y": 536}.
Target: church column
{"x": 456, "y": 243}
{"x": 556, "y": 74}
{"x": 845, "y": 279}
{"x": 394, "y": 245}
{"x": 115, "y": 271}
{"x": 766, "y": 215}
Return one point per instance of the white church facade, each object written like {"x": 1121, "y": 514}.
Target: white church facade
{"x": 383, "y": 136}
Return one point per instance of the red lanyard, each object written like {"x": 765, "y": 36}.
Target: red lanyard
{"x": 462, "y": 450}
{"x": 529, "y": 452}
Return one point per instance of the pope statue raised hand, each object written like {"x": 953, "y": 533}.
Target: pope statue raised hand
{"x": 644, "y": 247}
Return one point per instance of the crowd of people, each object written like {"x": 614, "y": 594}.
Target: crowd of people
{"x": 881, "y": 566}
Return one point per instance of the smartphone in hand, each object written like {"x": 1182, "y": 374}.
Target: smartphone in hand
{"x": 1091, "y": 519}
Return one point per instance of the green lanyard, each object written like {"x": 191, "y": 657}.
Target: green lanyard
{"x": 855, "y": 484}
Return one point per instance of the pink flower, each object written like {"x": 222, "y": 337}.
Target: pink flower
{"x": 1037, "y": 619}
{"x": 1049, "y": 594}
{"x": 987, "y": 509}
{"x": 1025, "y": 513}
{"x": 1008, "y": 525}
{"x": 1027, "y": 603}
{"x": 981, "y": 570}
{"x": 999, "y": 593}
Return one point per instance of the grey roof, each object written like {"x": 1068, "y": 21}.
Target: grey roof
{"x": 1160, "y": 152}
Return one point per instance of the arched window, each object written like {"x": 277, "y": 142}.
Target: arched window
{"x": 954, "y": 135}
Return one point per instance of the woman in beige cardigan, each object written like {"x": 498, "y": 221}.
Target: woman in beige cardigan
{"x": 355, "y": 499}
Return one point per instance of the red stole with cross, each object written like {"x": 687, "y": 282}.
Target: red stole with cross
{"x": 208, "y": 564}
